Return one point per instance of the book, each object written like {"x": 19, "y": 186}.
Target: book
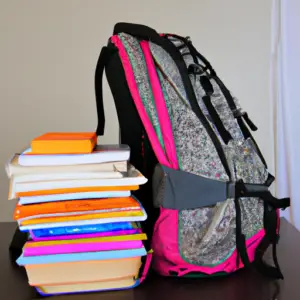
{"x": 101, "y": 154}
{"x": 87, "y": 216}
{"x": 108, "y": 243}
{"x": 115, "y": 284}
{"x": 134, "y": 216}
{"x": 13, "y": 195}
{"x": 81, "y": 248}
{"x": 13, "y": 168}
{"x": 74, "y": 207}
{"x": 84, "y": 235}
{"x": 102, "y": 239}
{"x": 131, "y": 178}
{"x": 83, "y": 271}
{"x": 65, "y": 176}
{"x": 72, "y": 196}
{"x": 40, "y": 261}
{"x": 88, "y": 231}
{"x": 64, "y": 143}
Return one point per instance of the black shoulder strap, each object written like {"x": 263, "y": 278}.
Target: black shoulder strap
{"x": 137, "y": 30}
{"x": 104, "y": 54}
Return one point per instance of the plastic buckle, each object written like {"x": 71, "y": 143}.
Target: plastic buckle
{"x": 240, "y": 188}
{"x": 195, "y": 69}
{"x": 238, "y": 113}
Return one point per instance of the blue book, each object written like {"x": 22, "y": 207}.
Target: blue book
{"x": 73, "y": 257}
{"x": 85, "y": 229}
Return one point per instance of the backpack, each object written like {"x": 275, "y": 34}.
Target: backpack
{"x": 208, "y": 200}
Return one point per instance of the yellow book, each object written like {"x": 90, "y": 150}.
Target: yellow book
{"x": 120, "y": 283}
{"x": 82, "y": 271}
{"x": 119, "y": 238}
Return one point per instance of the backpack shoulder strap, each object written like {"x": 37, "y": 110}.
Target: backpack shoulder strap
{"x": 102, "y": 61}
{"x": 137, "y": 30}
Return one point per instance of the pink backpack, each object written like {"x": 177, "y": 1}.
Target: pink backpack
{"x": 190, "y": 137}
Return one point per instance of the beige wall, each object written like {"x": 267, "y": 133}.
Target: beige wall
{"x": 49, "y": 50}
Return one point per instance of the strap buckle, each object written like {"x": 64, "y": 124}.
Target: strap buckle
{"x": 260, "y": 191}
{"x": 188, "y": 39}
{"x": 196, "y": 69}
{"x": 238, "y": 113}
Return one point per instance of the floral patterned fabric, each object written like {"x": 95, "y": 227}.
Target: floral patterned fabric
{"x": 206, "y": 234}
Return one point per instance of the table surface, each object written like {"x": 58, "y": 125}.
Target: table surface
{"x": 243, "y": 285}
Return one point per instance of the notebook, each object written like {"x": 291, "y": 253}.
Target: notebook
{"x": 116, "y": 284}
{"x": 133, "y": 216}
{"x": 80, "y": 247}
{"x": 72, "y": 196}
{"x": 108, "y": 243}
{"x": 14, "y": 168}
{"x": 101, "y": 154}
{"x": 87, "y": 216}
{"x": 64, "y": 142}
{"x": 13, "y": 195}
{"x": 65, "y": 176}
{"x": 105, "y": 239}
{"x": 82, "y": 271}
{"x": 86, "y": 235}
{"x": 75, "y": 207}
{"x": 132, "y": 178}
{"x": 75, "y": 231}
{"x": 77, "y": 257}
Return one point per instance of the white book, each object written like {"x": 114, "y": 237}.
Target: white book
{"x": 65, "y": 176}
{"x": 13, "y": 168}
{"x": 132, "y": 177}
{"x": 73, "y": 196}
{"x": 101, "y": 154}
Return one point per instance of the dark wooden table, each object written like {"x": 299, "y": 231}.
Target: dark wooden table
{"x": 243, "y": 285}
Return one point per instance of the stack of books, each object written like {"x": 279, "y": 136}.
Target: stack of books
{"x": 74, "y": 200}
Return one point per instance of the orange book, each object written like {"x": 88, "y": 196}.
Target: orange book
{"x": 64, "y": 143}
{"x": 78, "y": 190}
{"x": 115, "y": 214}
{"x": 74, "y": 206}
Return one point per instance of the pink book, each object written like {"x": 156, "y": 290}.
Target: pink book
{"x": 85, "y": 235}
{"x": 81, "y": 247}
